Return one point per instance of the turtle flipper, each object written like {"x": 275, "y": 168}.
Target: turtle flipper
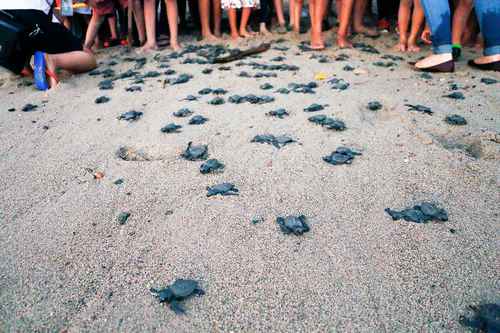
{"x": 177, "y": 307}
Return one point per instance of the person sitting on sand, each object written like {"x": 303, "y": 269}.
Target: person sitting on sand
{"x": 438, "y": 17}
{"x": 53, "y": 46}
{"x": 150, "y": 10}
{"x": 409, "y": 43}
{"x": 246, "y": 7}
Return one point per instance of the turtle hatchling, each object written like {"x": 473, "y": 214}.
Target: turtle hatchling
{"x": 422, "y": 213}
{"x": 171, "y": 128}
{"x": 342, "y": 155}
{"x": 197, "y": 120}
{"x": 222, "y": 189}
{"x": 314, "y": 108}
{"x": 180, "y": 290}
{"x": 455, "y": 119}
{"x": 293, "y": 224}
{"x": 280, "y": 113}
{"x": 195, "y": 153}
{"x": 184, "y": 112}
{"x": 212, "y": 165}
{"x": 130, "y": 115}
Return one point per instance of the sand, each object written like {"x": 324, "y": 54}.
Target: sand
{"x": 67, "y": 265}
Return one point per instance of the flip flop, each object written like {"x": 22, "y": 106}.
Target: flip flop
{"x": 39, "y": 69}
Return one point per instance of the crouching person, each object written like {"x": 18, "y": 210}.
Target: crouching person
{"x": 53, "y": 46}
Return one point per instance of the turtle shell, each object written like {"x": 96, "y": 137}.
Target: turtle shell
{"x": 182, "y": 288}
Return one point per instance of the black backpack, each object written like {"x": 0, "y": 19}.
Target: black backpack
{"x": 12, "y": 34}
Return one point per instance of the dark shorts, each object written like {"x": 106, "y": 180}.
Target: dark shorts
{"x": 49, "y": 37}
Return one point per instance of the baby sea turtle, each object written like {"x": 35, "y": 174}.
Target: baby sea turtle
{"x": 217, "y": 101}
{"x": 195, "y": 153}
{"x": 236, "y": 99}
{"x": 422, "y": 213}
{"x": 205, "y": 91}
{"x": 374, "y": 106}
{"x": 180, "y": 290}
{"x": 184, "y": 112}
{"x": 169, "y": 71}
{"x": 211, "y": 165}
{"x": 207, "y": 70}
{"x": 280, "y": 113}
{"x": 484, "y": 318}
{"x": 29, "y": 107}
{"x": 341, "y": 155}
{"x": 348, "y": 68}
{"x": 455, "y": 119}
{"x": 123, "y": 217}
{"x": 314, "y": 107}
{"x": 130, "y": 115}
{"x": 419, "y": 108}
{"x": 130, "y": 154}
{"x": 133, "y": 88}
{"x": 151, "y": 74}
{"x": 338, "y": 84}
{"x": 384, "y": 64}
{"x": 284, "y": 91}
{"x": 244, "y": 74}
{"x": 197, "y": 120}
{"x": 455, "y": 95}
{"x": 488, "y": 80}
{"x": 277, "y": 141}
{"x": 219, "y": 91}
{"x": 293, "y": 224}
{"x": 222, "y": 189}
{"x": 334, "y": 124}
{"x": 170, "y": 128}
{"x": 183, "y": 78}
{"x": 266, "y": 86}
{"x": 106, "y": 85}
{"x": 102, "y": 99}
{"x": 190, "y": 98}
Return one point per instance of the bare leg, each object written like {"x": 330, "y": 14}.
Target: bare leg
{"x": 217, "y": 17}
{"x": 90, "y": 36}
{"x": 291, "y": 11}
{"x": 359, "y": 13}
{"x": 297, "y": 11}
{"x": 112, "y": 27}
{"x": 316, "y": 11}
{"x": 172, "y": 17}
{"x": 245, "y": 15}
{"x": 460, "y": 18}
{"x": 278, "y": 5}
{"x": 233, "y": 25}
{"x": 345, "y": 16}
{"x": 403, "y": 23}
{"x": 204, "y": 6}
{"x": 150, "y": 21}
{"x": 139, "y": 20}
{"x": 417, "y": 22}
{"x": 75, "y": 62}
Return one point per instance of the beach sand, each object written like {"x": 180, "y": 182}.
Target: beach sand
{"x": 67, "y": 265}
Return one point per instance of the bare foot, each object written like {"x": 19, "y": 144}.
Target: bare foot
{"x": 174, "y": 44}
{"x": 263, "y": 30}
{"x": 235, "y": 37}
{"x": 317, "y": 42}
{"x": 246, "y": 34}
{"x": 433, "y": 60}
{"x": 369, "y": 32}
{"x": 148, "y": 47}
{"x": 343, "y": 43}
{"x": 413, "y": 47}
{"x": 487, "y": 59}
{"x": 51, "y": 68}
{"x": 401, "y": 46}
{"x": 209, "y": 38}
{"x": 217, "y": 33}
